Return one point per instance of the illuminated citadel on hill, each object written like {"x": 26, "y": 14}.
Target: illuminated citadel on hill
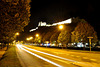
{"x": 68, "y": 21}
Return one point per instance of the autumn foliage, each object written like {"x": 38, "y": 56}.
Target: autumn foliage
{"x": 76, "y": 32}
{"x": 82, "y": 31}
{"x": 14, "y": 16}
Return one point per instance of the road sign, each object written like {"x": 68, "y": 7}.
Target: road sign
{"x": 90, "y": 37}
{"x": 90, "y": 42}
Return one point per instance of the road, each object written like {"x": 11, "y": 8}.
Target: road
{"x": 32, "y": 56}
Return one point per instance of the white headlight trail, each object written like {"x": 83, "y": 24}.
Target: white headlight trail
{"x": 40, "y": 57}
{"x": 49, "y": 54}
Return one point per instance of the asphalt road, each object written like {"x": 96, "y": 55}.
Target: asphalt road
{"x": 32, "y": 56}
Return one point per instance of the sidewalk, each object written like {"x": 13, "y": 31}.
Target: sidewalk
{"x": 2, "y": 51}
{"x": 9, "y": 59}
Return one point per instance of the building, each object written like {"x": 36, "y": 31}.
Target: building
{"x": 68, "y": 21}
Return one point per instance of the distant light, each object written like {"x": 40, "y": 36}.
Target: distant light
{"x": 14, "y": 41}
{"x": 31, "y": 37}
{"x": 27, "y": 38}
{"x": 17, "y": 33}
{"x": 37, "y": 35}
{"x": 61, "y": 27}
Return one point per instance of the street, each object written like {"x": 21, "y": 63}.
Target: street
{"x": 32, "y": 56}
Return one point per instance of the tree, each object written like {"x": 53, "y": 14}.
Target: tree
{"x": 64, "y": 37}
{"x": 37, "y": 39}
{"x": 47, "y": 36}
{"x": 14, "y": 16}
{"x": 48, "y": 32}
{"x": 54, "y": 37}
{"x": 82, "y": 31}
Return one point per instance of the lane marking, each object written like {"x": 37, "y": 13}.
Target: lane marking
{"x": 50, "y": 54}
{"x": 64, "y": 61}
{"x": 58, "y": 53}
{"x": 74, "y": 62}
{"x": 20, "y": 47}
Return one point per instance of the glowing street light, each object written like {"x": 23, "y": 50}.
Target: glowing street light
{"x": 27, "y": 39}
{"x": 17, "y": 34}
{"x": 61, "y": 27}
{"x": 37, "y": 35}
{"x": 30, "y": 38}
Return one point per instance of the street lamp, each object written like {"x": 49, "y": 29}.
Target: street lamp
{"x": 27, "y": 39}
{"x": 37, "y": 35}
{"x": 17, "y": 34}
{"x": 30, "y": 38}
{"x": 61, "y": 27}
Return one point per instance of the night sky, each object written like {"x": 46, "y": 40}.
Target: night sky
{"x": 52, "y": 11}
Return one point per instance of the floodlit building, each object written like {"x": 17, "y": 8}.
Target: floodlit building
{"x": 63, "y": 22}
{"x": 42, "y": 23}
{"x": 68, "y": 21}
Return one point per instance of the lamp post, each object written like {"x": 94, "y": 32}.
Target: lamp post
{"x": 61, "y": 27}
{"x": 16, "y": 34}
{"x": 37, "y": 35}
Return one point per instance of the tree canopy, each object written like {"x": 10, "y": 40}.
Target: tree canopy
{"x": 54, "y": 37}
{"x": 64, "y": 37}
{"x": 14, "y": 16}
{"x": 82, "y": 31}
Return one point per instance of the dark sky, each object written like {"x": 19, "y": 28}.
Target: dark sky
{"x": 52, "y": 11}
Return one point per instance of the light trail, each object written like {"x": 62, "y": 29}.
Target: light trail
{"x": 74, "y": 62}
{"x": 50, "y": 54}
{"x": 20, "y": 47}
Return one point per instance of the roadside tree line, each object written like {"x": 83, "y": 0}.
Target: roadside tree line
{"x": 75, "y": 32}
{"x": 14, "y": 16}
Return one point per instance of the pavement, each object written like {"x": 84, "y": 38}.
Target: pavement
{"x": 2, "y": 51}
{"x": 8, "y": 58}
